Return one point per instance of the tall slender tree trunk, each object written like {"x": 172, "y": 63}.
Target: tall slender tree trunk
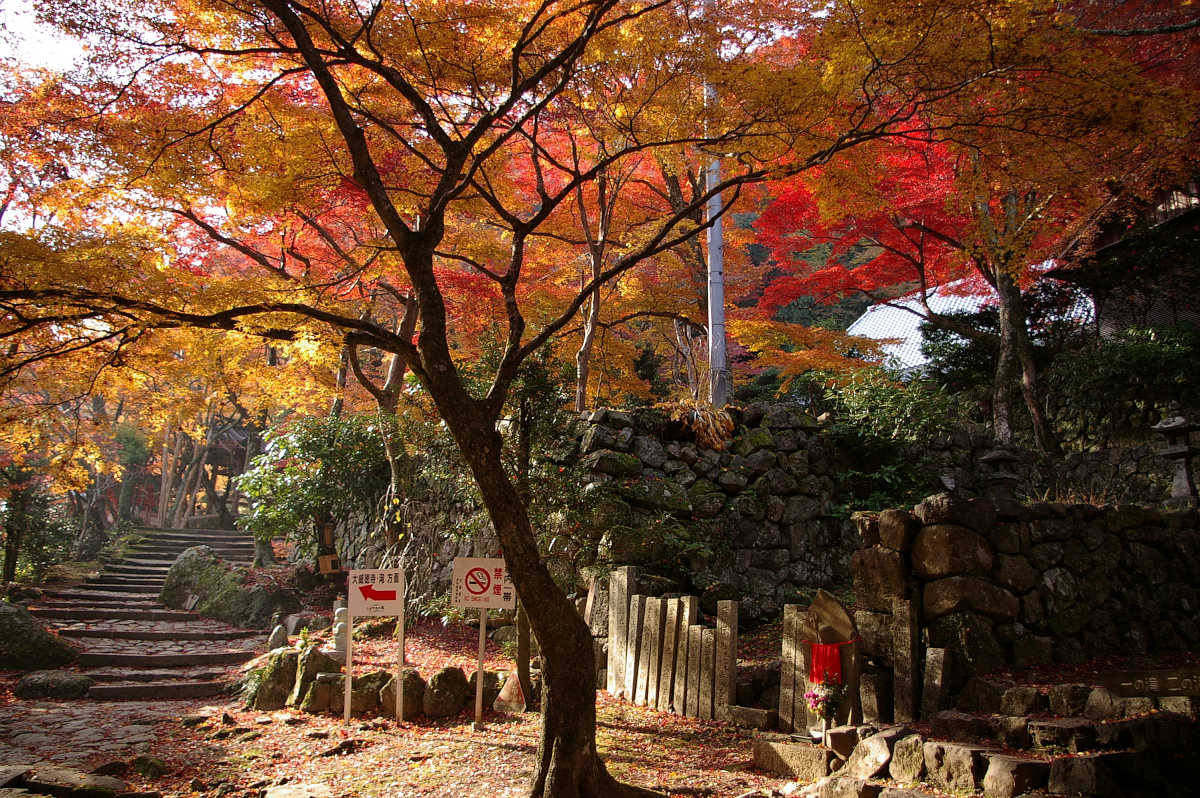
{"x": 568, "y": 763}
{"x": 1016, "y": 354}
{"x": 14, "y": 527}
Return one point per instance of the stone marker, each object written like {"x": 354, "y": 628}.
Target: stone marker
{"x": 708, "y": 662}
{"x": 651, "y": 659}
{"x": 905, "y": 657}
{"x": 670, "y": 647}
{"x": 689, "y": 613}
{"x": 695, "y": 639}
{"x": 622, "y": 584}
{"x": 633, "y": 647}
{"x": 876, "y": 691}
{"x": 511, "y": 699}
{"x": 933, "y": 693}
{"x": 725, "y": 692}
{"x": 783, "y": 756}
{"x": 278, "y": 638}
{"x": 827, "y": 622}
{"x": 789, "y": 665}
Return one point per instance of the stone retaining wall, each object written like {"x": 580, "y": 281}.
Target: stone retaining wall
{"x": 997, "y": 583}
{"x": 751, "y": 520}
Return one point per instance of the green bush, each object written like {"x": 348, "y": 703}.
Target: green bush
{"x": 886, "y": 428}
{"x": 314, "y": 468}
{"x": 1115, "y": 389}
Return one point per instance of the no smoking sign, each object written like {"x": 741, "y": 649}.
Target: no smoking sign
{"x": 481, "y": 583}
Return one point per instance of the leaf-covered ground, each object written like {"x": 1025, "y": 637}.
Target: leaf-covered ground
{"x": 248, "y": 750}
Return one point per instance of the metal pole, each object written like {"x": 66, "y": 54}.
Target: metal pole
{"x": 718, "y": 371}
{"x": 349, "y": 665}
{"x": 479, "y": 669}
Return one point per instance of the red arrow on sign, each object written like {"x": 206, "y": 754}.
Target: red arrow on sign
{"x": 371, "y": 594}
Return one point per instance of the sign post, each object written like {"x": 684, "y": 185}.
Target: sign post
{"x": 480, "y": 583}
{"x": 375, "y": 593}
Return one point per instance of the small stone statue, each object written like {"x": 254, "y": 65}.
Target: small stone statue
{"x": 278, "y": 638}
{"x": 341, "y": 632}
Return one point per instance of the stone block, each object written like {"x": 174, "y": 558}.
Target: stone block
{"x": 784, "y": 756}
{"x": 872, "y": 755}
{"x": 1013, "y": 731}
{"x": 980, "y": 694}
{"x": 1031, "y": 650}
{"x": 875, "y": 692}
{"x": 1009, "y": 776}
{"x": 947, "y": 508}
{"x": 1081, "y": 775}
{"x": 949, "y": 550}
{"x": 908, "y": 759}
{"x": 953, "y": 767}
{"x": 966, "y": 593}
{"x": 879, "y": 577}
{"x": 753, "y": 717}
{"x": 897, "y": 528}
{"x": 1069, "y": 699}
{"x": 1070, "y": 734}
{"x": 841, "y": 740}
{"x": 845, "y": 787}
{"x": 933, "y": 694}
{"x": 906, "y": 667}
{"x": 951, "y": 724}
{"x": 1023, "y": 701}
{"x": 972, "y": 639}
{"x": 71, "y": 783}
{"x": 875, "y": 633}
{"x": 867, "y": 526}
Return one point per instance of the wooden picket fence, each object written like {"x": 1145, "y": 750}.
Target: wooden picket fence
{"x": 661, "y": 656}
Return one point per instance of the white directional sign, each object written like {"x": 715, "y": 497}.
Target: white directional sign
{"x": 482, "y": 583}
{"x": 376, "y": 592}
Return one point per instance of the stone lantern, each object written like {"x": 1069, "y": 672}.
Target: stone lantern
{"x": 999, "y": 475}
{"x": 1178, "y": 431}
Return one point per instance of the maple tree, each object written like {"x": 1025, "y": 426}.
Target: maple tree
{"x": 990, "y": 205}
{"x": 273, "y": 169}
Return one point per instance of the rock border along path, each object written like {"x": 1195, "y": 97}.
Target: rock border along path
{"x": 133, "y": 646}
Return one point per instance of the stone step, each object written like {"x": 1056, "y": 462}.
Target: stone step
{"x": 92, "y": 596}
{"x": 99, "y": 659}
{"x": 131, "y": 614}
{"x": 190, "y": 534}
{"x": 158, "y": 571}
{"x": 161, "y": 691}
{"x": 120, "y": 588}
{"x": 104, "y": 604}
{"x": 171, "y": 552}
{"x": 125, "y": 579}
{"x": 157, "y": 675}
{"x": 181, "y": 634}
{"x": 144, "y": 563}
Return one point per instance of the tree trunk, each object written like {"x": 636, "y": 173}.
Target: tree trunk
{"x": 14, "y": 525}
{"x": 583, "y": 358}
{"x": 568, "y": 765}
{"x": 1016, "y": 351}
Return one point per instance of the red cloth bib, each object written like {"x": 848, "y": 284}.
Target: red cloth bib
{"x": 826, "y": 664}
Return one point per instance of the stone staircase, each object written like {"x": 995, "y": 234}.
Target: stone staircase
{"x": 132, "y": 646}
{"x": 1005, "y": 740}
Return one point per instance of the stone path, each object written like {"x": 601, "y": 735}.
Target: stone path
{"x": 134, "y": 647}
{"x": 149, "y": 664}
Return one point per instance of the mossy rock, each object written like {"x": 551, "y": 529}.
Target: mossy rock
{"x": 25, "y": 645}
{"x": 222, "y": 590}
{"x": 414, "y": 695}
{"x": 268, "y": 687}
{"x": 53, "y": 684}
{"x": 312, "y": 661}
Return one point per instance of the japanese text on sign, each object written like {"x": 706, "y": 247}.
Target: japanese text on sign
{"x": 482, "y": 583}
{"x": 376, "y": 592}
